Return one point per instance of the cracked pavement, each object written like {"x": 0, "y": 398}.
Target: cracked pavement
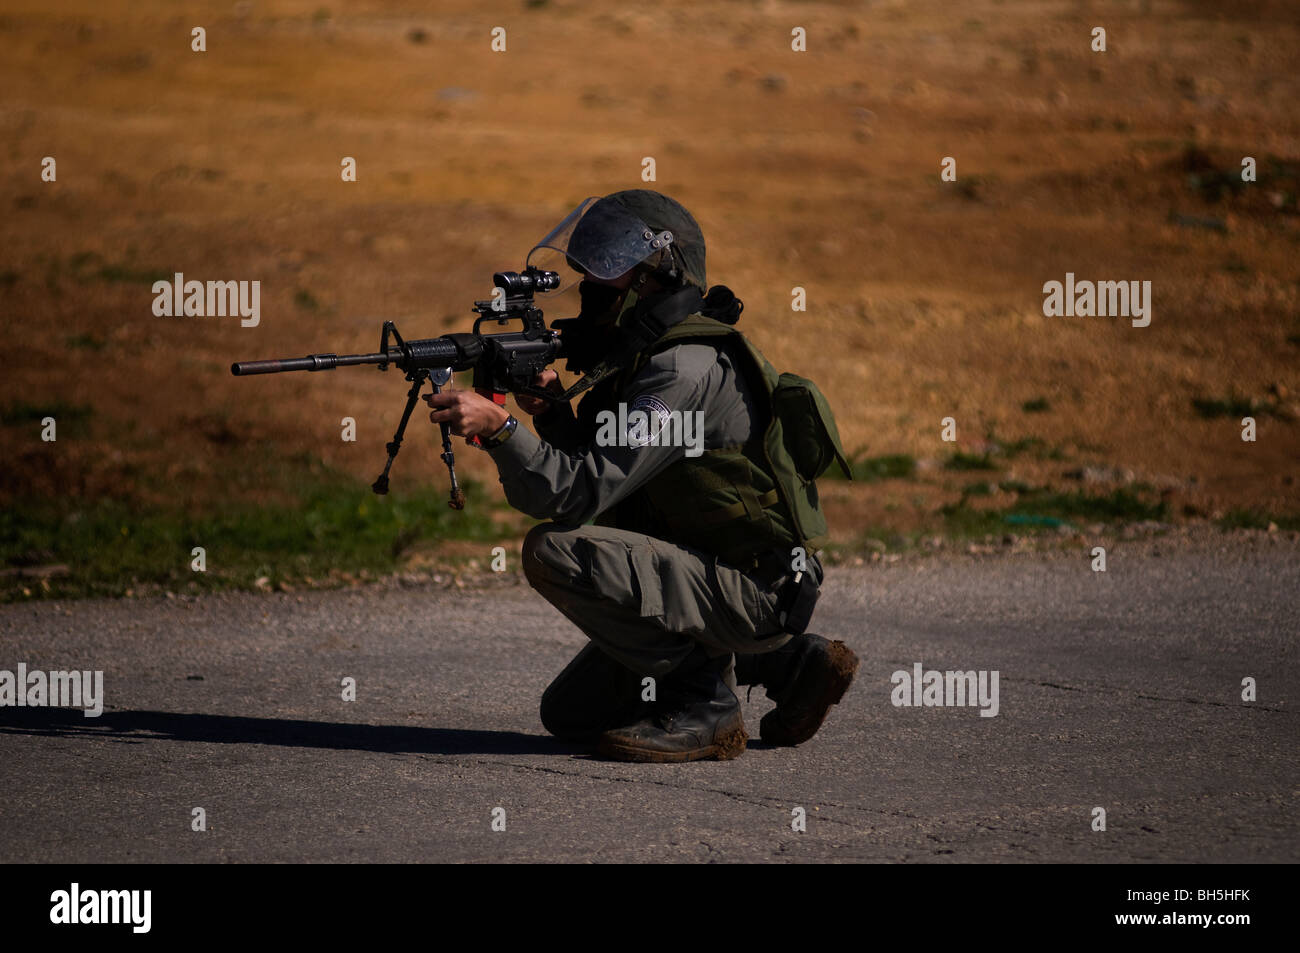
{"x": 1119, "y": 690}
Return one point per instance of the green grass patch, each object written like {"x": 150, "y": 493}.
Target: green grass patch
{"x": 336, "y": 526}
{"x": 1010, "y": 449}
{"x": 1230, "y": 406}
{"x": 1015, "y": 486}
{"x": 874, "y": 539}
{"x": 84, "y": 342}
{"x": 964, "y": 523}
{"x": 89, "y": 265}
{"x": 891, "y": 466}
{"x": 1120, "y": 505}
{"x": 1042, "y": 508}
{"x": 970, "y": 461}
{"x": 1038, "y": 405}
{"x": 128, "y": 275}
{"x": 1024, "y": 445}
{"x": 1254, "y": 519}
{"x": 70, "y": 418}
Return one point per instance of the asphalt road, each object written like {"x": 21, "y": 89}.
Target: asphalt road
{"x": 1119, "y": 690}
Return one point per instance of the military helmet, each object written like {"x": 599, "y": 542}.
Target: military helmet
{"x": 608, "y": 237}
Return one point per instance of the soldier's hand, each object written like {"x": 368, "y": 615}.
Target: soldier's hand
{"x": 468, "y": 413}
{"x": 547, "y": 380}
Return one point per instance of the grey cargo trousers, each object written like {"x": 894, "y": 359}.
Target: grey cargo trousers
{"x": 645, "y": 604}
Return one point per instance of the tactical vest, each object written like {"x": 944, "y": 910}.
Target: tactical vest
{"x": 742, "y": 503}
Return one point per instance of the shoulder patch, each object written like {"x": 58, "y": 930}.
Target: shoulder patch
{"x": 646, "y": 419}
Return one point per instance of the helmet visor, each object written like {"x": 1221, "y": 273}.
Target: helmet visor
{"x": 601, "y": 239}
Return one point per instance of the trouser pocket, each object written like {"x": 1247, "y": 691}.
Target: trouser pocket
{"x": 645, "y": 575}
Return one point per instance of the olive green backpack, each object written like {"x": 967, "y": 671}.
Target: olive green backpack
{"x": 744, "y": 502}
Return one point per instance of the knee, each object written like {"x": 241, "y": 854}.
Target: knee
{"x": 543, "y": 555}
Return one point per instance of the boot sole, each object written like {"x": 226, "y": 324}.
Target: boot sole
{"x": 843, "y": 665}
{"x": 729, "y": 744}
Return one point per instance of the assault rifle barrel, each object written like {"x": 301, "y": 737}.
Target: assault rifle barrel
{"x": 432, "y": 352}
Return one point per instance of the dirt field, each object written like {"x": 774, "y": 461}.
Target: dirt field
{"x": 817, "y": 169}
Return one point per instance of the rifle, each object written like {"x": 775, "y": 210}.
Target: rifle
{"x": 502, "y": 363}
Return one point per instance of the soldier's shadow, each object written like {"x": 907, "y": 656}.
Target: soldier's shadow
{"x": 140, "y": 726}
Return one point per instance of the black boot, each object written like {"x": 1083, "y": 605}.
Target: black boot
{"x": 695, "y": 717}
{"x": 805, "y": 677}
{"x": 768, "y": 668}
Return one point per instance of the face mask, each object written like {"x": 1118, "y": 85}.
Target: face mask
{"x": 599, "y": 302}
{"x": 584, "y": 345}
{"x": 590, "y": 337}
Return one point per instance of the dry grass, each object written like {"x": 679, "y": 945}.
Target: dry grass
{"x": 818, "y": 170}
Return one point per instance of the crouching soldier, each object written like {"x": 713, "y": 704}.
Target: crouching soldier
{"x": 683, "y": 517}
